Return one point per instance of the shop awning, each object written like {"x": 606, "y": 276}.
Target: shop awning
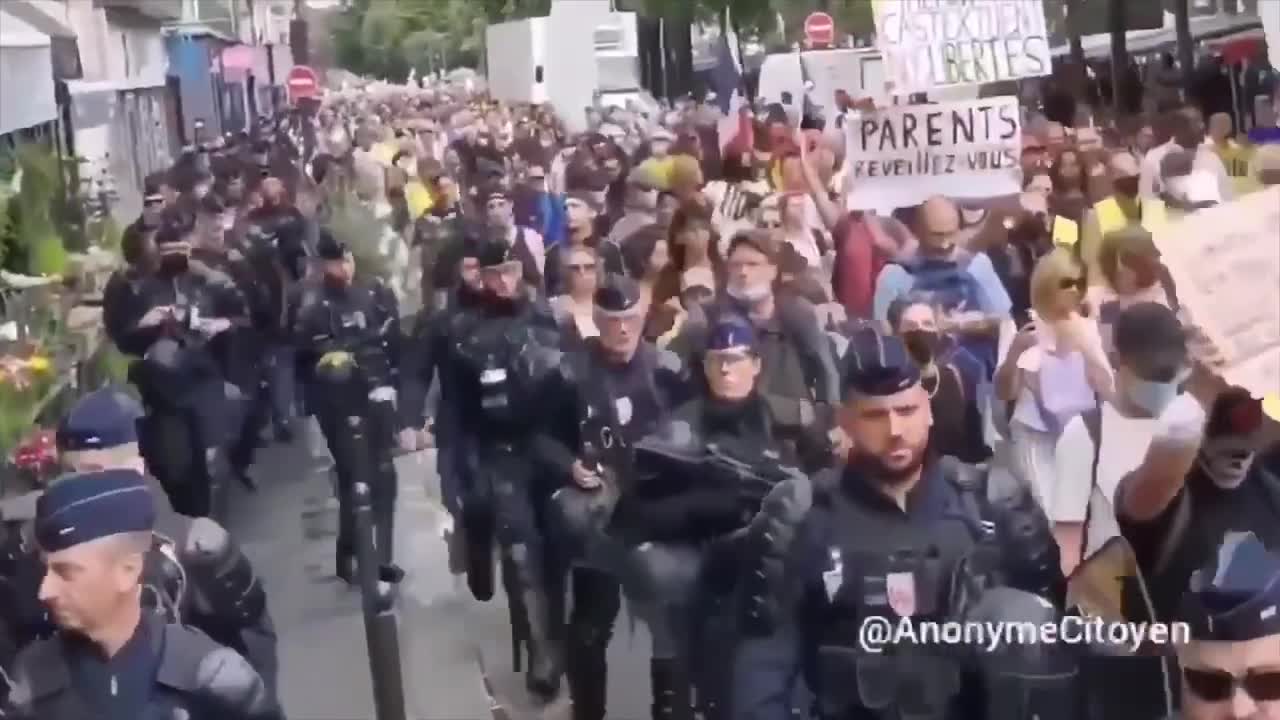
{"x": 26, "y": 77}
{"x": 64, "y": 49}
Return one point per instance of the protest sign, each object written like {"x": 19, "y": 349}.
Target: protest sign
{"x": 939, "y": 43}
{"x": 1225, "y": 263}
{"x": 901, "y": 155}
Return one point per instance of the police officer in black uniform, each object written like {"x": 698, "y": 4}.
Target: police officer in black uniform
{"x": 348, "y": 337}
{"x": 195, "y": 574}
{"x": 110, "y": 657}
{"x": 901, "y": 535}
{"x": 185, "y": 333}
{"x": 505, "y": 350}
{"x": 606, "y": 396}
{"x": 1231, "y": 666}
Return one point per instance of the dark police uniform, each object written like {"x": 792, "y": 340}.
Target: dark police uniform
{"x": 505, "y": 348}
{"x": 195, "y": 575}
{"x": 164, "y": 670}
{"x": 350, "y": 337}
{"x": 596, "y": 408}
{"x": 1233, "y": 599}
{"x": 867, "y": 557}
{"x": 193, "y": 413}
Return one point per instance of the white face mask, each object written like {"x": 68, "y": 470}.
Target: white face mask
{"x": 1226, "y": 460}
{"x": 749, "y": 294}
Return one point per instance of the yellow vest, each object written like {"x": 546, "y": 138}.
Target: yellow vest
{"x": 1111, "y": 217}
{"x": 419, "y": 199}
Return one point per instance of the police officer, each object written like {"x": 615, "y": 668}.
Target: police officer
{"x": 605, "y": 397}
{"x": 184, "y": 340}
{"x": 508, "y": 346}
{"x": 894, "y": 535}
{"x": 1231, "y": 666}
{"x": 195, "y": 574}
{"x": 348, "y": 335}
{"x": 698, "y": 509}
{"x": 110, "y": 658}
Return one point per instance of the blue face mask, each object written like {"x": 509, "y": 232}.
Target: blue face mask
{"x": 1153, "y": 397}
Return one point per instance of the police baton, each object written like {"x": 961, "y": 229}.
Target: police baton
{"x": 380, "y": 626}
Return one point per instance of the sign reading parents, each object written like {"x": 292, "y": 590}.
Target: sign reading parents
{"x": 901, "y": 155}
{"x": 940, "y": 43}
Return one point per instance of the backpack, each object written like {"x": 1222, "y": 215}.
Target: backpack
{"x": 948, "y": 282}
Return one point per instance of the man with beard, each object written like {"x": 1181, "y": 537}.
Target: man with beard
{"x": 893, "y": 535}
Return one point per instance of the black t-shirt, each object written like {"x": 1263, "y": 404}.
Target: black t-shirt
{"x": 1211, "y": 513}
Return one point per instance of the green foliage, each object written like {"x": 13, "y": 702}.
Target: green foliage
{"x": 30, "y": 239}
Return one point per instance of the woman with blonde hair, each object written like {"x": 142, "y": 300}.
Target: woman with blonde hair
{"x": 1055, "y": 370}
{"x": 1130, "y": 273}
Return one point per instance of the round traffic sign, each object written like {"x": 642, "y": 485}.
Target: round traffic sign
{"x": 302, "y": 82}
{"x": 820, "y": 29}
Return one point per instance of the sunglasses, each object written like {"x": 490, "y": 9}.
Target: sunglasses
{"x": 1219, "y": 685}
{"x": 1072, "y": 284}
{"x": 582, "y": 268}
{"x": 770, "y": 224}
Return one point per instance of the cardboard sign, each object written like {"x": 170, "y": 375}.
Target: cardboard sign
{"x": 902, "y": 155}
{"x": 1225, "y": 263}
{"x": 940, "y": 43}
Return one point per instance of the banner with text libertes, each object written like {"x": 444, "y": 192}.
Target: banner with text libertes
{"x": 899, "y": 156}
{"x": 941, "y": 43}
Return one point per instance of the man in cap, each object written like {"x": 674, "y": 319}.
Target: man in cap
{"x": 347, "y": 332}
{"x": 640, "y": 205}
{"x": 525, "y": 242}
{"x": 186, "y": 338}
{"x": 603, "y": 398}
{"x": 1231, "y": 666}
{"x": 221, "y": 595}
{"x": 94, "y": 531}
{"x": 506, "y": 348}
{"x": 896, "y": 526}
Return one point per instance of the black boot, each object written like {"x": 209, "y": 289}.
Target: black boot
{"x": 587, "y": 671}
{"x": 542, "y": 677}
{"x": 672, "y": 694}
{"x": 479, "y": 561}
{"x": 344, "y": 564}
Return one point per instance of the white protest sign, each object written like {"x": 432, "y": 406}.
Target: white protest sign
{"x": 1225, "y": 262}
{"x": 901, "y": 155}
{"x": 939, "y": 43}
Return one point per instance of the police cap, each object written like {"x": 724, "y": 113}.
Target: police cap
{"x": 494, "y": 251}
{"x": 1236, "y": 596}
{"x": 80, "y": 508}
{"x": 104, "y": 418}
{"x": 329, "y": 248}
{"x": 617, "y": 295}
{"x": 731, "y": 332}
{"x": 878, "y": 364}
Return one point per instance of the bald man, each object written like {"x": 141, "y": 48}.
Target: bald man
{"x": 963, "y": 282}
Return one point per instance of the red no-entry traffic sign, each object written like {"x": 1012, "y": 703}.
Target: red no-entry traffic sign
{"x": 302, "y": 83}
{"x": 820, "y": 29}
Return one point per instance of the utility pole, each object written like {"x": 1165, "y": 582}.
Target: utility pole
{"x": 298, "y": 37}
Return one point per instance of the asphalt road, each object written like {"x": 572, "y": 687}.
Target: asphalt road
{"x": 450, "y": 643}
{"x": 455, "y": 651}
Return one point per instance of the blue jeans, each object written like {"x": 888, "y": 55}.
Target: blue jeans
{"x": 281, "y": 382}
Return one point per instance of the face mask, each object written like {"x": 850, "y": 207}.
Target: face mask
{"x": 922, "y": 344}
{"x": 173, "y": 263}
{"x": 1152, "y": 397}
{"x": 749, "y": 294}
{"x": 1226, "y": 460}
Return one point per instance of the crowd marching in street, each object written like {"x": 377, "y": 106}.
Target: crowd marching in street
{"x": 668, "y": 364}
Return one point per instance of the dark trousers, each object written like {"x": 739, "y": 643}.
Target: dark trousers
{"x": 358, "y": 432}
{"x": 185, "y": 445}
